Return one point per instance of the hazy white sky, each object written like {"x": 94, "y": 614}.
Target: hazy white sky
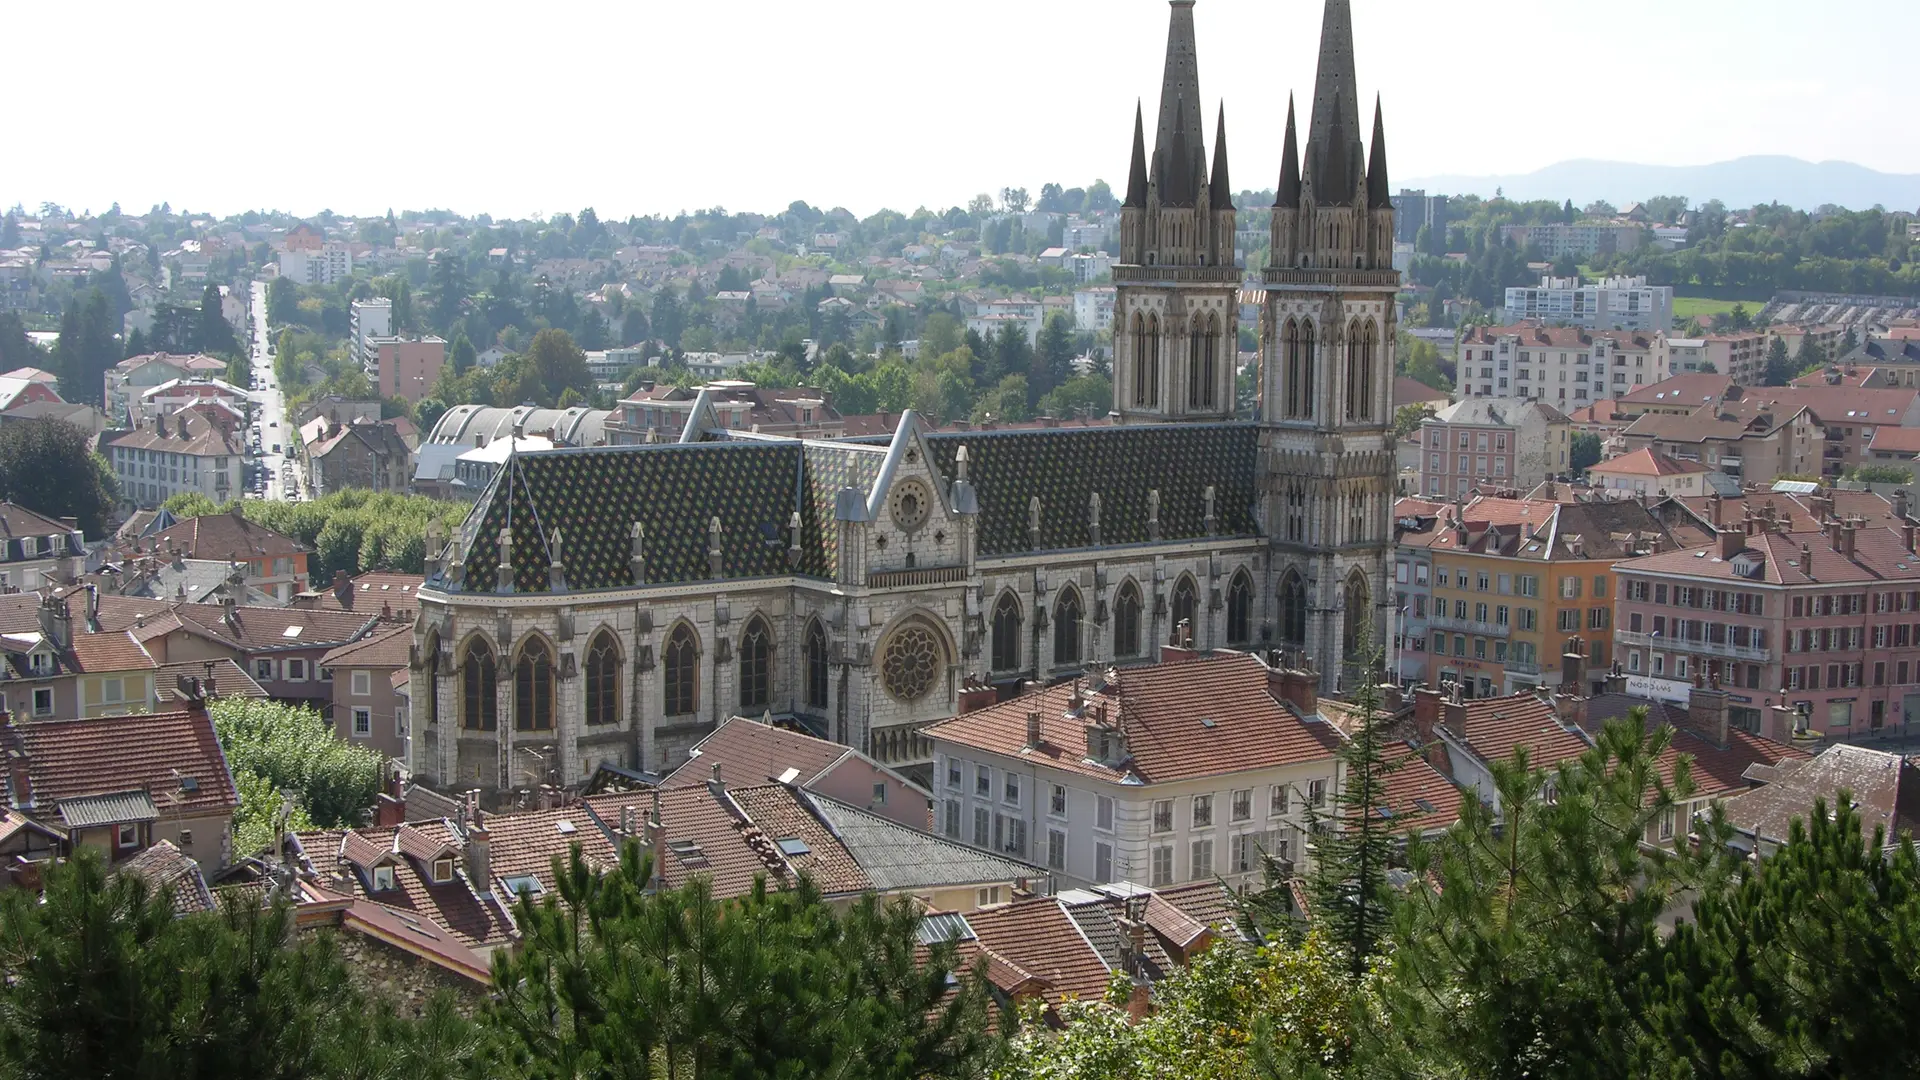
{"x": 645, "y": 106}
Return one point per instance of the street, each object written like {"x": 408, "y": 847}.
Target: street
{"x": 270, "y": 429}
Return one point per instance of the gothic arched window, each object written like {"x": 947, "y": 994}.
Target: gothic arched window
{"x": 1210, "y": 381}
{"x": 431, "y": 665}
{"x": 1139, "y": 359}
{"x": 1150, "y": 370}
{"x": 1357, "y": 627}
{"x": 533, "y": 687}
{"x": 681, "y": 663}
{"x": 756, "y": 645}
{"x": 603, "y": 679}
{"x": 816, "y": 665}
{"x": 1366, "y": 370}
{"x": 479, "y": 697}
{"x": 1290, "y": 348}
{"x": 1006, "y": 633}
{"x": 1293, "y": 609}
{"x": 1240, "y": 609}
{"x": 1353, "y": 369}
{"x": 1066, "y": 629}
{"x": 1186, "y": 605}
{"x": 1126, "y": 621}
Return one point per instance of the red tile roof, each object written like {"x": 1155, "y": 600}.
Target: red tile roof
{"x": 476, "y": 920}
{"x": 1496, "y": 727}
{"x": 382, "y": 648}
{"x": 780, "y": 817}
{"x": 750, "y": 752}
{"x": 173, "y": 756}
{"x": 1203, "y": 717}
{"x": 118, "y": 651}
{"x": 1039, "y": 937}
{"x": 1645, "y": 462}
{"x": 223, "y": 536}
{"x": 1692, "y": 389}
{"x": 1885, "y": 787}
{"x": 1895, "y": 440}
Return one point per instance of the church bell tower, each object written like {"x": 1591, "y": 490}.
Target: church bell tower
{"x": 1176, "y": 304}
{"x": 1327, "y": 332}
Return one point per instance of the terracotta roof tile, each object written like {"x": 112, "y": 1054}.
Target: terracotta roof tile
{"x": 1496, "y": 727}
{"x": 1037, "y": 935}
{"x": 475, "y": 919}
{"x": 1645, "y": 462}
{"x": 118, "y": 651}
{"x": 382, "y": 648}
{"x": 779, "y": 815}
{"x": 174, "y": 756}
{"x": 1203, "y": 717}
{"x": 750, "y": 752}
{"x": 224, "y": 536}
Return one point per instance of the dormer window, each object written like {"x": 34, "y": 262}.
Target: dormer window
{"x": 383, "y": 878}
{"x": 29, "y": 546}
{"x": 40, "y": 663}
{"x": 442, "y": 871}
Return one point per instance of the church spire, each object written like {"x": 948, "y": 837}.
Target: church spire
{"x": 1137, "y": 171}
{"x": 1219, "y": 188}
{"x": 1180, "y": 84}
{"x": 1334, "y": 153}
{"x": 1287, "y": 195}
{"x": 1379, "y": 196}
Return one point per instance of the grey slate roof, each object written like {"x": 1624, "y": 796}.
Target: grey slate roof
{"x": 897, "y": 857}
{"x": 89, "y": 811}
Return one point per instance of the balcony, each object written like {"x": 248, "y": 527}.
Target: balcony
{"x": 1709, "y": 648}
{"x": 1520, "y": 667}
{"x": 1470, "y": 626}
{"x": 932, "y": 575}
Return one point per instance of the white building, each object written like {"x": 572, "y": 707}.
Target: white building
{"x": 367, "y": 319}
{"x": 331, "y": 263}
{"x": 608, "y": 365}
{"x": 1164, "y": 773}
{"x": 1566, "y": 367}
{"x": 1093, "y": 308}
{"x": 174, "y": 454}
{"x": 1090, "y": 266}
{"x": 36, "y": 550}
{"x": 1615, "y": 303}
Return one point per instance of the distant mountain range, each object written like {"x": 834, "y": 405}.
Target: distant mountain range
{"x": 1739, "y": 183}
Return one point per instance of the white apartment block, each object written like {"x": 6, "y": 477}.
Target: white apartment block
{"x": 1615, "y": 303}
{"x": 368, "y": 319}
{"x": 331, "y": 263}
{"x": 1566, "y": 367}
{"x": 1093, "y": 308}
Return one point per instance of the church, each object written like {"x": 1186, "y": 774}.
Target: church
{"x": 608, "y": 606}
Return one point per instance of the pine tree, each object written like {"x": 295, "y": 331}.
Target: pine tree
{"x": 1353, "y": 847}
{"x": 1778, "y": 373}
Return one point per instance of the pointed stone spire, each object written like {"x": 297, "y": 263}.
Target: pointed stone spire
{"x": 1287, "y": 195}
{"x": 1333, "y": 141}
{"x": 1219, "y": 188}
{"x": 1177, "y": 181}
{"x": 1180, "y": 82}
{"x": 1379, "y": 195}
{"x": 1137, "y": 171}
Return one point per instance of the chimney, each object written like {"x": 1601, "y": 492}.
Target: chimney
{"x": 1426, "y": 711}
{"x": 93, "y": 608}
{"x": 1900, "y": 504}
{"x": 657, "y": 844}
{"x": 1731, "y": 542}
{"x": 1455, "y": 720}
{"x": 1906, "y": 535}
{"x": 1033, "y": 730}
{"x": 975, "y": 694}
{"x": 390, "y": 808}
{"x": 1847, "y": 534}
{"x": 343, "y": 589}
{"x": 1707, "y": 712}
{"x": 20, "y": 780}
{"x": 1571, "y": 709}
{"x": 1573, "y": 669}
{"x": 714, "y": 783}
{"x": 1713, "y": 506}
{"x": 1806, "y": 559}
{"x": 1833, "y": 533}
{"x": 479, "y": 846}
{"x": 1616, "y": 679}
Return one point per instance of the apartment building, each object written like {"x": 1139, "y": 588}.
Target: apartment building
{"x": 1491, "y": 444}
{"x": 127, "y": 380}
{"x": 324, "y": 265}
{"x": 1824, "y": 621}
{"x": 1750, "y": 441}
{"x": 1170, "y": 772}
{"x": 271, "y": 562}
{"x": 1848, "y": 416}
{"x": 408, "y": 367}
{"x": 1897, "y": 358}
{"x": 1740, "y": 356}
{"x": 1093, "y": 308}
{"x": 188, "y": 452}
{"x": 368, "y": 319}
{"x": 1567, "y": 367}
{"x": 1677, "y": 395}
{"x": 1645, "y": 472}
{"x": 37, "y": 550}
{"x": 1582, "y": 240}
{"x": 1614, "y": 303}
{"x": 1515, "y": 584}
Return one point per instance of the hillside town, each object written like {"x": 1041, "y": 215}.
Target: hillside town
{"x": 1163, "y": 628}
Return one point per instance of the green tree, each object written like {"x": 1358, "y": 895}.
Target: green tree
{"x": 1809, "y": 357}
{"x": 215, "y": 333}
{"x": 17, "y": 350}
{"x": 1353, "y": 848}
{"x": 1883, "y": 474}
{"x": 1012, "y": 354}
{"x": 1848, "y": 342}
{"x": 1584, "y": 453}
{"x": 1407, "y": 418}
{"x": 941, "y": 335}
{"x": 283, "y": 302}
{"x": 49, "y": 467}
{"x": 1778, "y": 371}
{"x": 462, "y": 354}
{"x": 1738, "y": 319}
{"x": 558, "y": 363}
{"x": 1053, "y": 356}
{"x": 448, "y": 282}
{"x": 429, "y": 412}
{"x": 1805, "y": 965}
{"x": 617, "y": 979}
{"x": 633, "y": 326}
{"x": 298, "y": 752}
{"x": 668, "y": 320}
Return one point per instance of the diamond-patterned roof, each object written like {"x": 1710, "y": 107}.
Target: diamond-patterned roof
{"x": 1065, "y": 467}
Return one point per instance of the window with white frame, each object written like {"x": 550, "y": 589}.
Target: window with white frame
{"x": 1056, "y": 849}
{"x": 127, "y": 835}
{"x": 1163, "y": 815}
{"x": 1201, "y": 866}
{"x": 263, "y": 670}
{"x": 1202, "y": 811}
{"x": 1162, "y": 866}
{"x": 296, "y": 669}
{"x": 952, "y": 821}
{"x": 1278, "y": 800}
{"x": 982, "y": 826}
{"x": 1242, "y": 808}
{"x": 362, "y": 723}
{"x": 362, "y": 683}
{"x": 1012, "y": 794}
{"x": 1102, "y": 862}
{"x": 1316, "y": 793}
{"x": 1057, "y": 799}
{"x": 1103, "y": 813}
{"x": 983, "y": 781}
{"x": 953, "y": 775}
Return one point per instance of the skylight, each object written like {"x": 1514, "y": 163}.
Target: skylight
{"x": 564, "y": 827}
{"x": 293, "y": 631}
{"x": 793, "y": 845}
{"x": 523, "y": 885}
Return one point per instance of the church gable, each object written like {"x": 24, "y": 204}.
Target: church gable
{"x": 1065, "y": 467}
{"x": 829, "y": 468}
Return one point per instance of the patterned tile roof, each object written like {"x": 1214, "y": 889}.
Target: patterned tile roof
{"x": 779, "y": 814}
{"x": 592, "y": 498}
{"x": 1065, "y": 467}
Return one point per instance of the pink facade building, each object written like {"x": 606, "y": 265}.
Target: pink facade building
{"x": 409, "y": 366}
{"x": 1826, "y": 623}
{"x": 1489, "y": 445}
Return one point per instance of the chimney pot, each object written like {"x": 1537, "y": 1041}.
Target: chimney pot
{"x": 1033, "y": 729}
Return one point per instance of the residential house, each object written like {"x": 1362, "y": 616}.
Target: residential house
{"x": 1740, "y": 355}
{"x": 366, "y": 712}
{"x": 20, "y": 387}
{"x": 52, "y": 672}
{"x": 1471, "y": 735}
{"x": 388, "y": 593}
{"x": 274, "y": 564}
{"x": 371, "y": 456}
{"x": 1611, "y": 303}
{"x": 176, "y": 394}
{"x": 1491, "y": 443}
{"x": 748, "y": 751}
{"x": 1750, "y": 441}
{"x": 121, "y": 784}
{"x": 85, "y": 417}
{"x": 1567, "y": 367}
{"x": 37, "y": 550}
{"x": 1646, "y": 472}
{"x": 1897, "y": 357}
{"x": 1884, "y": 788}
{"x": 186, "y": 453}
{"x": 127, "y": 380}
{"x": 407, "y": 367}
{"x": 657, "y": 413}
